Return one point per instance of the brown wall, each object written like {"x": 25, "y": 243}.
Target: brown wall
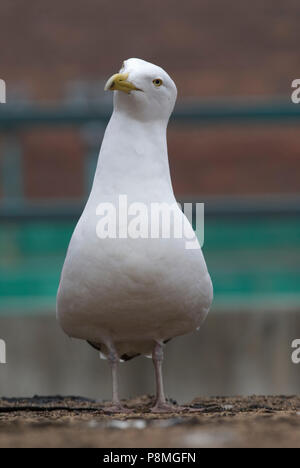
{"x": 211, "y": 48}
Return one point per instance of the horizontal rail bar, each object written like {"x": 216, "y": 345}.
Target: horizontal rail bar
{"x": 205, "y": 112}
{"x": 214, "y": 206}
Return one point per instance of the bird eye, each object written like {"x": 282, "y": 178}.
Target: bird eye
{"x": 157, "y": 82}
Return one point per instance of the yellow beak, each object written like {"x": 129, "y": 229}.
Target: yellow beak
{"x": 119, "y": 82}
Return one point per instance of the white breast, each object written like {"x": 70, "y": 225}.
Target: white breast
{"x": 131, "y": 291}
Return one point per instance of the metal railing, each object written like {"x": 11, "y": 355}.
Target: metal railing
{"x": 214, "y": 111}
{"x": 244, "y": 255}
{"x": 91, "y": 120}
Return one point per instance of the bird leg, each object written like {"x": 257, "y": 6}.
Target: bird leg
{"x": 116, "y": 406}
{"x": 161, "y": 405}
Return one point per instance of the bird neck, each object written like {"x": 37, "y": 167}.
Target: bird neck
{"x": 133, "y": 158}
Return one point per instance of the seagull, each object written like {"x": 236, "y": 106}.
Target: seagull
{"x": 128, "y": 295}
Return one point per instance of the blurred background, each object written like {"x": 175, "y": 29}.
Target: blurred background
{"x": 233, "y": 144}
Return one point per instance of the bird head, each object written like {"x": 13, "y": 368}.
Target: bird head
{"x": 143, "y": 90}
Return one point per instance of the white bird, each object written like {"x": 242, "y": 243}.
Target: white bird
{"x": 128, "y": 295}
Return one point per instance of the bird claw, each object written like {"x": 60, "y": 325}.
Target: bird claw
{"x": 164, "y": 408}
{"x": 116, "y": 408}
{"x": 169, "y": 408}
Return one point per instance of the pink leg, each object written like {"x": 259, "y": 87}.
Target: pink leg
{"x": 157, "y": 357}
{"x": 161, "y": 405}
{"x": 116, "y": 406}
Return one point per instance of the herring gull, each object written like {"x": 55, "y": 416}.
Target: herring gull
{"x": 128, "y": 295}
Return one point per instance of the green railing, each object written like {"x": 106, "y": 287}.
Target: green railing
{"x": 189, "y": 112}
{"x": 251, "y": 245}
